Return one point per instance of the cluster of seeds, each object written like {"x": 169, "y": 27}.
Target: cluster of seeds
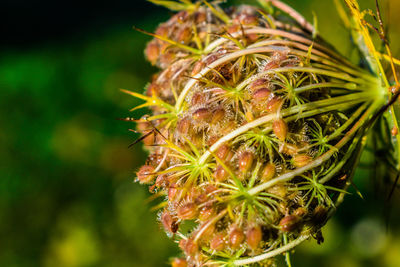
{"x": 254, "y": 131}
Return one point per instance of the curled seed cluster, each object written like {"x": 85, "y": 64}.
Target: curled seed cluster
{"x": 253, "y": 133}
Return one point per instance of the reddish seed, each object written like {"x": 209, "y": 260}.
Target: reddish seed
{"x": 177, "y": 262}
{"x": 202, "y": 114}
{"x": 152, "y": 52}
{"x": 268, "y": 172}
{"x": 198, "y": 98}
{"x": 233, "y": 28}
{"x": 162, "y": 31}
{"x": 172, "y": 192}
{"x": 254, "y": 236}
{"x": 183, "y": 125}
{"x": 206, "y": 213}
{"x": 258, "y": 84}
{"x": 187, "y": 211}
{"x": 198, "y": 66}
{"x": 280, "y": 129}
{"x": 248, "y": 20}
{"x": 274, "y": 104}
{"x": 261, "y": 94}
{"x": 301, "y": 160}
{"x": 218, "y": 242}
{"x": 191, "y": 247}
{"x": 169, "y": 223}
{"x": 208, "y": 231}
{"x": 236, "y": 237}
{"x": 289, "y": 223}
{"x": 245, "y": 161}
{"x": 221, "y": 174}
{"x": 145, "y": 174}
{"x": 218, "y": 116}
{"x": 271, "y": 65}
{"x": 200, "y": 17}
{"x": 222, "y": 152}
{"x": 184, "y": 35}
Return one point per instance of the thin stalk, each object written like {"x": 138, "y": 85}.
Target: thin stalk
{"x": 272, "y": 253}
{"x": 320, "y": 160}
{"x": 316, "y": 108}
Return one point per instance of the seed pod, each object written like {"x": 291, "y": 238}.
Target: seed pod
{"x": 320, "y": 215}
{"x": 280, "y": 129}
{"x": 168, "y": 222}
{"x": 172, "y": 193}
{"x": 218, "y": 116}
{"x": 206, "y": 213}
{"x": 261, "y": 95}
{"x": 245, "y": 161}
{"x": 178, "y": 262}
{"x": 254, "y": 237}
{"x": 269, "y": 172}
{"x": 152, "y": 52}
{"x": 145, "y": 174}
{"x": 236, "y": 237}
{"x": 191, "y": 247}
{"x": 258, "y": 84}
{"x": 289, "y": 223}
{"x": 183, "y": 126}
{"x": 218, "y": 242}
{"x": 274, "y": 104}
{"x": 221, "y": 174}
{"x": 187, "y": 211}
{"x": 224, "y": 152}
{"x": 301, "y": 160}
{"x": 202, "y": 114}
{"x": 300, "y": 212}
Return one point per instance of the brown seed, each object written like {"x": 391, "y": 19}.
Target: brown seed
{"x": 301, "y": 212}
{"x": 278, "y": 190}
{"x": 191, "y": 247}
{"x": 222, "y": 152}
{"x": 183, "y": 125}
{"x": 245, "y": 161}
{"x": 258, "y": 84}
{"x": 218, "y": 116}
{"x": 172, "y": 193}
{"x": 280, "y": 129}
{"x": 198, "y": 98}
{"x": 177, "y": 262}
{"x": 152, "y": 52}
{"x": 168, "y": 222}
{"x": 145, "y": 174}
{"x": 233, "y": 28}
{"x": 187, "y": 211}
{"x": 289, "y": 223}
{"x": 200, "y": 17}
{"x": 221, "y": 174}
{"x": 268, "y": 172}
{"x": 248, "y": 20}
{"x": 320, "y": 214}
{"x": 162, "y": 31}
{"x": 198, "y": 66}
{"x": 301, "y": 160}
{"x": 254, "y": 236}
{"x": 202, "y": 114}
{"x": 184, "y": 35}
{"x": 274, "y": 104}
{"x": 261, "y": 95}
{"x": 236, "y": 237}
{"x": 208, "y": 231}
{"x": 271, "y": 65}
{"x": 206, "y": 212}
{"x": 218, "y": 242}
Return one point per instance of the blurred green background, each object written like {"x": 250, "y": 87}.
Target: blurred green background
{"x": 67, "y": 196}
